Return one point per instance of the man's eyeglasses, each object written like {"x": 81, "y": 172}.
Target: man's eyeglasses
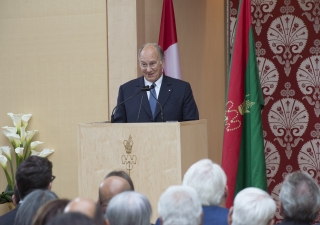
{"x": 52, "y": 178}
{"x": 152, "y": 65}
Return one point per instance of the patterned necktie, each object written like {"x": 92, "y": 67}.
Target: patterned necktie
{"x": 152, "y": 100}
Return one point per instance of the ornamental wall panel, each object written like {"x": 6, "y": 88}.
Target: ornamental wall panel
{"x": 288, "y": 56}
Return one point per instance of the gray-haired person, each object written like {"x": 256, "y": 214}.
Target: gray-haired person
{"x": 252, "y": 206}
{"x": 299, "y": 199}
{"x": 31, "y": 204}
{"x": 128, "y": 208}
{"x": 180, "y": 205}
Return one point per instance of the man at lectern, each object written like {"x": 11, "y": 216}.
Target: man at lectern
{"x": 154, "y": 97}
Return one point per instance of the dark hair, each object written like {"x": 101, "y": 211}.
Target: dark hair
{"x": 49, "y": 210}
{"x": 33, "y": 173}
{"x": 71, "y": 218}
{"x": 31, "y": 204}
{"x": 121, "y": 174}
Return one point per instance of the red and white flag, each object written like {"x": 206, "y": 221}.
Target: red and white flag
{"x": 168, "y": 40}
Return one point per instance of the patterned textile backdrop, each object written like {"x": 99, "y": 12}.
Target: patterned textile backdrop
{"x": 287, "y": 36}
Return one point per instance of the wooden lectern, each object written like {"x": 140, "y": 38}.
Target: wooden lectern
{"x": 156, "y": 155}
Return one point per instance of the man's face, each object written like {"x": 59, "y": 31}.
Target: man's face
{"x": 150, "y": 64}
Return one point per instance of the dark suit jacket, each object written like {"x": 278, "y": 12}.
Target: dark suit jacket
{"x": 212, "y": 215}
{"x": 175, "y": 97}
{"x": 8, "y": 218}
{"x": 288, "y": 221}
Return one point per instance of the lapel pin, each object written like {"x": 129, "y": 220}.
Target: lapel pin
{"x": 169, "y": 89}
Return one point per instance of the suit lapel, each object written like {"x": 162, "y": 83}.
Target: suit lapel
{"x": 165, "y": 92}
{"x": 145, "y": 101}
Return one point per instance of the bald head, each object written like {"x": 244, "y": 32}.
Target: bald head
{"x": 110, "y": 187}
{"x": 87, "y": 207}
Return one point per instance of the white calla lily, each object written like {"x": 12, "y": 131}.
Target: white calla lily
{"x": 3, "y": 161}
{"x": 19, "y": 151}
{"x": 6, "y": 151}
{"x": 45, "y": 152}
{"x": 16, "y": 118}
{"x": 33, "y": 152}
{"x": 7, "y": 129}
{"x": 34, "y": 144}
{"x": 25, "y": 118}
{"x": 14, "y": 139}
{"x": 22, "y": 134}
{"x": 11, "y": 116}
{"x": 29, "y": 135}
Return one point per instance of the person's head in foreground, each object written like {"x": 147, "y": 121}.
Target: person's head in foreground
{"x": 114, "y": 183}
{"x": 180, "y": 205}
{"x": 88, "y": 207}
{"x": 30, "y": 205}
{"x": 252, "y": 206}
{"x": 49, "y": 210}
{"x": 71, "y": 218}
{"x": 209, "y": 181}
{"x": 128, "y": 208}
{"x": 299, "y": 198}
{"x": 34, "y": 173}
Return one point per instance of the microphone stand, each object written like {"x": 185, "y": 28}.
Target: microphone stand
{"x": 144, "y": 88}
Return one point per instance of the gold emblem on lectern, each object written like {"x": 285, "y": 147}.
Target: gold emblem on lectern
{"x": 128, "y": 160}
{"x": 128, "y": 145}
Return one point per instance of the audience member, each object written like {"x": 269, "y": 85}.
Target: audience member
{"x": 180, "y": 205}
{"x": 15, "y": 197}
{"x": 87, "y": 207}
{"x": 30, "y": 205}
{"x": 128, "y": 208}
{"x": 72, "y": 218}
{"x": 115, "y": 183}
{"x": 210, "y": 183}
{"x": 299, "y": 199}
{"x": 33, "y": 173}
{"x": 124, "y": 175}
{"x": 49, "y": 210}
{"x": 252, "y": 206}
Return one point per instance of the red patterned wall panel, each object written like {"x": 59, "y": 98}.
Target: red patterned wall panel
{"x": 287, "y": 35}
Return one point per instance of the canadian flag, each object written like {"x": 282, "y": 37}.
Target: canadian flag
{"x": 168, "y": 40}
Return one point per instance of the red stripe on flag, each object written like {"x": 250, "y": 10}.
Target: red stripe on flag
{"x": 168, "y": 34}
{"x": 233, "y": 127}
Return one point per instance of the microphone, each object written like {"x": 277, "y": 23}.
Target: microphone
{"x": 161, "y": 111}
{"x": 144, "y": 88}
{"x": 147, "y": 88}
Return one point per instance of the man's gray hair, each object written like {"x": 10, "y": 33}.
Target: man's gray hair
{"x": 300, "y": 197}
{"x": 158, "y": 47}
{"x": 30, "y": 205}
{"x": 129, "y": 207}
{"x": 209, "y": 181}
{"x": 180, "y": 205}
{"x": 253, "y": 206}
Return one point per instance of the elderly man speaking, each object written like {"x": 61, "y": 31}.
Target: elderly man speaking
{"x": 168, "y": 99}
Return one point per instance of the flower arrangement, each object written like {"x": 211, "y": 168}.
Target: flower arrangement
{"x": 20, "y": 140}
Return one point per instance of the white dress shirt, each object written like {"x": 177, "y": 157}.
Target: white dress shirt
{"x": 157, "y": 87}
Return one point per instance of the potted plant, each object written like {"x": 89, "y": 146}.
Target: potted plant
{"x": 23, "y": 147}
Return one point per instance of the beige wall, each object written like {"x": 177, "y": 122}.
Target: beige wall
{"x": 53, "y": 64}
